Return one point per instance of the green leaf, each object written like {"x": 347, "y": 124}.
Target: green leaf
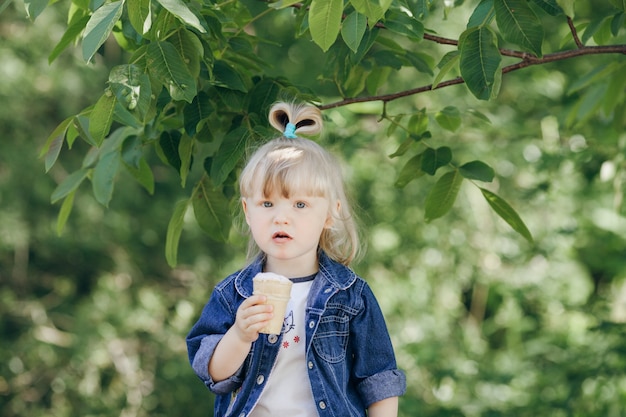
{"x": 91, "y": 157}
{"x": 143, "y": 175}
{"x": 263, "y": 95}
{"x": 190, "y": 49}
{"x": 405, "y": 25}
{"x": 199, "y": 110}
{"x": 68, "y": 37}
{"x": 212, "y": 211}
{"x": 442, "y": 196}
{"x": 103, "y": 178}
{"x": 229, "y": 154}
{"x": 477, "y": 170}
{"x": 419, "y": 8}
{"x": 394, "y": 123}
{"x": 185, "y": 151}
{"x": 506, "y": 212}
{"x": 370, "y": 37}
{"x": 447, "y": 63}
{"x": 54, "y": 143}
{"x": 281, "y": 4}
{"x": 68, "y": 185}
{"x": 377, "y": 78}
{"x": 478, "y": 115}
{"x": 549, "y": 6}
{"x": 387, "y": 58}
{"x": 567, "y": 6}
{"x": 371, "y": 8}
{"x": 519, "y": 24}
{"x": 35, "y": 7}
{"x": 482, "y": 15}
{"x": 355, "y": 81}
{"x": 174, "y": 230}
{"x": 421, "y": 62}
{"x": 166, "y": 64}
{"x": 122, "y": 115}
{"x": 434, "y": 159}
{"x": 115, "y": 141}
{"x": 325, "y": 21}
{"x": 140, "y": 15}
{"x": 81, "y": 125}
{"x": 384, "y": 4}
{"x": 131, "y": 86}
{"x": 101, "y": 117}
{"x": 480, "y": 62}
{"x": 169, "y": 142}
{"x": 618, "y": 22}
{"x": 64, "y": 212}
{"x": 99, "y": 27}
{"x": 182, "y": 12}
{"x": 418, "y": 123}
{"x": 403, "y": 148}
{"x": 353, "y": 29}
{"x": 449, "y": 118}
{"x": 410, "y": 171}
{"x": 132, "y": 150}
{"x": 228, "y": 77}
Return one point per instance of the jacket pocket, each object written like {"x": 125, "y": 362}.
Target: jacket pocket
{"x": 331, "y": 338}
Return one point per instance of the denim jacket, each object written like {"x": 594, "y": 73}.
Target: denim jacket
{"x": 350, "y": 359}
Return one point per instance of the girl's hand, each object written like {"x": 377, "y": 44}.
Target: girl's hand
{"x": 230, "y": 353}
{"x": 252, "y": 316}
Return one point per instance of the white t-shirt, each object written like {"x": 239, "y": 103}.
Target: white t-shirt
{"x": 288, "y": 390}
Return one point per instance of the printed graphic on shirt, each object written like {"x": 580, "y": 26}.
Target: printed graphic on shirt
{"x": 290, "y": 331}
{"x": 288, "y": 324}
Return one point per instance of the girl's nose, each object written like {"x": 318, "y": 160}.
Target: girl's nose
{"x": 280, "y": 217}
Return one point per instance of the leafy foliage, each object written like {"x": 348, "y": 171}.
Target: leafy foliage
{"x": 485, "y": 323}
{"x": 193, "y": 77}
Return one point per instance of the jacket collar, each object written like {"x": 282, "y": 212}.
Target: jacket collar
{"x": 338, "y": 275}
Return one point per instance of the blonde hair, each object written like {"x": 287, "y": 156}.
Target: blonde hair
{"x": 285, "y": 166}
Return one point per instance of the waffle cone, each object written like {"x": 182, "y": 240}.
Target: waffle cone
{"x": 277, "y": 289}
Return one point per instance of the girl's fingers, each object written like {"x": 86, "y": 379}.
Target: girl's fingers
{"x": 253, "y": 315}
{"x": 254, "y": 305}
{"x": 253, "y": 300}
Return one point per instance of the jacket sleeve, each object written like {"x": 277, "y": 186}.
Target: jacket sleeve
{"x": 374, "y": 369}
{"x": 216, "y": 318}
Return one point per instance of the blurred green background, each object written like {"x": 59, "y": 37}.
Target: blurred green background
{"x": 92, "y": 322}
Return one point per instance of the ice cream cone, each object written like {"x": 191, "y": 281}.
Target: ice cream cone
{"x": 277, "y": 289}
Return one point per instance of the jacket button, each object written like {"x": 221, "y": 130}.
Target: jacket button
{"x": 327, "y": 290}
{"x": 310, "y": 365}
{"x": 260, "y": 379}
{"x": 311, "y": 324}
{"x": 272, "y": 338}
{"x": 322, "y": 405}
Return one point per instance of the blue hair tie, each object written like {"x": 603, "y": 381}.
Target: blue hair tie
{"x": 290, "y": 131}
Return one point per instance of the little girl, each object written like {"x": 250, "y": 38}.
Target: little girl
{"x": 334, "y": 356}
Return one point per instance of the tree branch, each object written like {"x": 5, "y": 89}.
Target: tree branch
{"x": 527, "y": 61}
{"x": 572, "y": 29}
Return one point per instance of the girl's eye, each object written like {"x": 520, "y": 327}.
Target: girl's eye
{"x": 266, "y": 204}
{"x": 300, "y": 204}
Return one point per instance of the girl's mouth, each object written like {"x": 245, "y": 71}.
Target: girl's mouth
{"x": 281, "y": 236}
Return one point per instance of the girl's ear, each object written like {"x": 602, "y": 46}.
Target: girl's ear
{"x": 333, "y": 213}
{"x": 244, "y": 206}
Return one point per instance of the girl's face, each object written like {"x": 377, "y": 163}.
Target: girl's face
{"x": 288, "y": 230}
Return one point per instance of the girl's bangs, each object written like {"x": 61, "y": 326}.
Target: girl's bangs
{"x": 289, "y": 172}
